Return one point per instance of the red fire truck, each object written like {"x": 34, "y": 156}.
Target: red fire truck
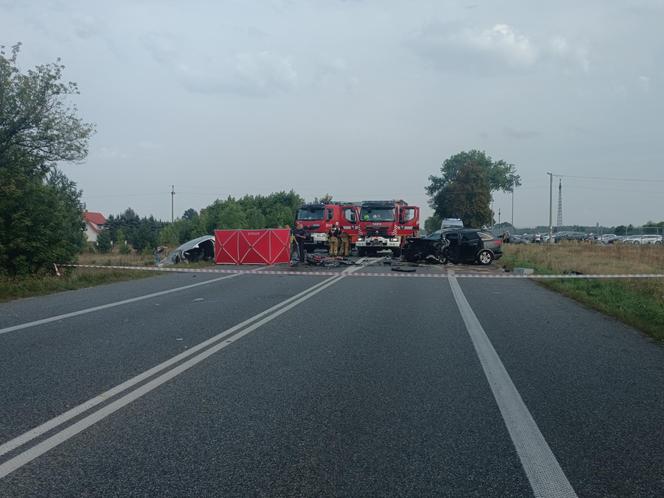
{"x": 317, "y": 219}
{"x": 385, "y": 225}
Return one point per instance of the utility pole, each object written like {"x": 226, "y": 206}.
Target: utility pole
{"x": 498, "y": 216}
{"x": 512, "y": 206}
{"x": 550, "y": 207}
{"x": 172, "y": 202}
{"x": 560, "y": 203}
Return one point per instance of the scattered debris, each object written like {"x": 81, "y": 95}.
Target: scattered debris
{"x": 523, "y": 271}
{"x": 405, "y": 269}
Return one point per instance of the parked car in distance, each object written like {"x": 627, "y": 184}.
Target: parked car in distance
{"x": 609, "y": 238}
{"x": 457, "y": 245}
{"x": 643, "y": 239}
{"x": 651, "y": 239}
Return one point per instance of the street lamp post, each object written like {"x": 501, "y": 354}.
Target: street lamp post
{"x": 550, "y": 207}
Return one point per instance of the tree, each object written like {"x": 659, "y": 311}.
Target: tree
{"x": 190, "y": 214}
{"x": 432, "y": 223}
{"x": 41, "y": 221}
{"x": 38, "y": 128}
{"x": 41, "y": 215}
{"x": 460, "y": 174}
{"x": 499, "y": 174}
{"x": 104, "y": 243}
{"x": 467, "y": 196}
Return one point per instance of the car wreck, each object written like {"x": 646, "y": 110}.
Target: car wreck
{"x": 199, "y": 249}
{"x": 462, "y": 245}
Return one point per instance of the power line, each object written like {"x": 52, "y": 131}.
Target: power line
{"x": 613, "y": 179}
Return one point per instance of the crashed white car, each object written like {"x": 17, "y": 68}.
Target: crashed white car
{"x": 198, "y": 249}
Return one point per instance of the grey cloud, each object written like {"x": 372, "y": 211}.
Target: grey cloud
{"x": 494, "y": 49}
{"x": 250, "y": 74}
{"x": 520, "y": 134}
{"x": 161, "y": 47}
{"x": 86, "y": 27}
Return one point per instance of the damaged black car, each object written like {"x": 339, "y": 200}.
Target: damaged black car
{"x": 464, "y": 245}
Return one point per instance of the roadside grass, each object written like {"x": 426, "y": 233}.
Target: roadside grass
{"x": 74, "y": 278}
{"x": 636, "y": 302}
{"x": 116, "y": 259}
{"x": 77, "y": 278}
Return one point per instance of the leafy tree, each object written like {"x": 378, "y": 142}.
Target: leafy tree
{"x": 432, "y": 223}
{"x": 500, "y": 175}
{"x": 255, "y": 219}
{"x": 41, "y": 215}
{"x": 38, "y": 128}
{"x": 120, "y": 238}
{"x": 190, "y": 214}
{"x": 465, "y": 185}
{"x": 467, "y": 196}
{"x": 104, "y": 242}
{"x": 41, "y": 221}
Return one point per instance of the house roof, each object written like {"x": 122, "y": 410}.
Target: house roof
{"x": 96, "y": 218}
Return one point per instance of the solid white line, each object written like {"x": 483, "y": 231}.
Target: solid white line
{"x": 39, "y": 449}
{"x": 543, "y": 471}
{"x": 83, "y": 407}
{"x": 85, "y": 311}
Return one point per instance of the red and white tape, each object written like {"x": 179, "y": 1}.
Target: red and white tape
{"x": 262, "y": 271}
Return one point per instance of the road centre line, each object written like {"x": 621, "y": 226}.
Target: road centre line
{"x": 85, "y": 311}
{"x": 271, "y": 313}
{"x": 543, "y": 471}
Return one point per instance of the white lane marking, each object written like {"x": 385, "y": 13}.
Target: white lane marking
{"x": 68, "y": 432}
{"x": 85, "y": 311}
{"x": 544, "y": 473}
{"x": 85, "y": 406}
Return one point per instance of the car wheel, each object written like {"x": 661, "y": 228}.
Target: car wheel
{"x": 485, "y": 257}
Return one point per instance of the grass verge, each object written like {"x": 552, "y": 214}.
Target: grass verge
{"x": 636, "y": 302}
{"x": 38, "y": 285}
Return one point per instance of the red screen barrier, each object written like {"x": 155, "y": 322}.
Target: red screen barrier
{"x": 252, "y": 247}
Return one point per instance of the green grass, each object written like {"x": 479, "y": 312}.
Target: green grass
{"x": 636, "y": 302}
{"x": 38, "y": 285}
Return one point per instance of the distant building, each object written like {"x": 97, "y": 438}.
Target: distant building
{"x": 94, "y": 223}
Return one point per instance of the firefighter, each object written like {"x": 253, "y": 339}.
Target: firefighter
{"x": 333, "y": 239}
{"x": 300, "y": 236}
{"x": 345, "y": 244}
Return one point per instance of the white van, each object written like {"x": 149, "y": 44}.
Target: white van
{"x": 451, "y": 223}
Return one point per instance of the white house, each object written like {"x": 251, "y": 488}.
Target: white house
{"x": 94, "y": 222}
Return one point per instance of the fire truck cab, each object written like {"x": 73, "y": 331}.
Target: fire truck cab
{"x": 386, "y": 225}
{"x": 317, "y": 219}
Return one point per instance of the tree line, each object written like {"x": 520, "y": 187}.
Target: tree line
{"x": 251, "y": 211}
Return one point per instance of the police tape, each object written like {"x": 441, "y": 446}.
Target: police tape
{"x": 264, "y": 270}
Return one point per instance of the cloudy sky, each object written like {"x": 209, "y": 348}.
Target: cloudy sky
{"x": 359, "y": 98}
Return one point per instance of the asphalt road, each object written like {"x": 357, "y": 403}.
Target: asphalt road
{"x": 319, "y": 385}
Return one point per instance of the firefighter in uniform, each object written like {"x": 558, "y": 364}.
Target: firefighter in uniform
{"x": 333, "y": 239}
{"x": 345, "y": 244}
{"x": 299, "y": 236}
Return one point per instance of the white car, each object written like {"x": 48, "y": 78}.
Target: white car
{"x": 651, "y": 239}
